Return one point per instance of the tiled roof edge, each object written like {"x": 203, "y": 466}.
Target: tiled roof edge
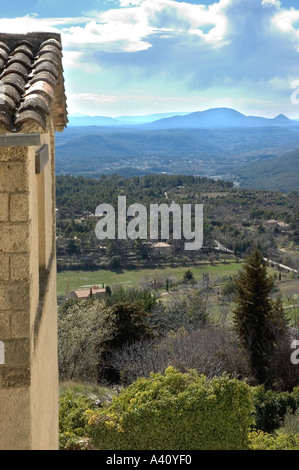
{"x": 32, "y": 82}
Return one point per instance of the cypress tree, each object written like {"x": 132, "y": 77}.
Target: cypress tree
{"x": 259, "y": 320}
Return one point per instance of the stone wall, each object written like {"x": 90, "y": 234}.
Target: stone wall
{"x": 28, "y": 310}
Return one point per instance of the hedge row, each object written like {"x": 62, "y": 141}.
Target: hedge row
{"x": 175, "y": 411}
{"x": 180, "y": 411}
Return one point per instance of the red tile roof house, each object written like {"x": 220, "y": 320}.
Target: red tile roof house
{"x": 85, "y": 294}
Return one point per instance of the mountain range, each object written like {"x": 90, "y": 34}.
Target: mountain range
{"x": 219, "y": 143}
{"x": 79, "y": 119}
{"x": 214, "y": 118}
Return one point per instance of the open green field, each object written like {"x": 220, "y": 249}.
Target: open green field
{"x": 70, "y": 280}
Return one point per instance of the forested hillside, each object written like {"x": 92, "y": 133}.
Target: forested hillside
{"x": 97, "y": 150}
{"x": 280, "y": 173}
{"x": 237, "y": 218}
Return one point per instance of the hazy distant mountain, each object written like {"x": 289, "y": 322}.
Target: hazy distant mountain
{"x": 83, "y": 120}
{"x": 147, "y": 119}
{"x": 214, "y": 118}
{"x": 218, "y": 142}
{"x": 79, "y": 119}
{"x": 217, "y": 118}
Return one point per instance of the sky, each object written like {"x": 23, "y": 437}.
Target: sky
{"x": 138, "y": 57}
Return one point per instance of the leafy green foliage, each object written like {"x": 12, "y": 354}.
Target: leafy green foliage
{"x": 72, "y": 435}
{"x": 271, "y": 407}
{"x": 260, "y": 440}
{"x": 129, "y": 322}
{"x": 175, "y": 411}
{"x": 144, "y": 297}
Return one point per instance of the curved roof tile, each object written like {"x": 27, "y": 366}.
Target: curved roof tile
{"x": 48, "y": 57}
{"x": 15, "y": 80}
{"x": 31, "y": 81}
{"x": 31, "y": 114}
{"x": 7, "y": 101}
{"x": 16, "y": 67}
{"x": 24, "y": 48}
{"x": 41, "y": 87}
{"x": 36, "y": 101}
{"x": 11, "y": 92}
{"x": 20, "y": 58}
{"x": 3, "y": 53}
{"x": 3, "y": 45}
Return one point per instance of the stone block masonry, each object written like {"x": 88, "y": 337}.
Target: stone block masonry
{"x": 14, "y": 266}
{"x": 32, "y": 109}
{"x": 29, "y": 368}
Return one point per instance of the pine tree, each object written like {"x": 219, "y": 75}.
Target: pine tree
{"x": 259, "y": 321}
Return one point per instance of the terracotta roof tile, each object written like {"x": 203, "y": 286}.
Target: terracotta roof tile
{"x": 12, "y": 92}
{"x": 45, "y": 77}
{"x": 8, "y": 101}
{"x": 3, "y": 45}
{"x": 21, "y": 58}
{"x": 3, "y": 53}
{"x": 31, "y": 81}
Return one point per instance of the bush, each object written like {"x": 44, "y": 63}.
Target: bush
{"x": 175, "y": 411}
{"x": 72, "y": 421}
{"x": 290, "y": 422}
{"x": 211, "y": 351}
{"x": 271, "y": 407}
{"x": 259, "y": 440}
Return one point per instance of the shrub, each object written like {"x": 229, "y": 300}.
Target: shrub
{"x": 290, "y": 422}
{"x": 72, "y": 422}
{"x": 271, "y": 407}
{"x": 260, "y": 440}
{"x": 211, "y": 351}
{"x": 175, "y": 411}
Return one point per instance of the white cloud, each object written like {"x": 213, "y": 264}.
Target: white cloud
{"x": 128, "y": 29}
{"x": 232, "y": 47}
{"x": 108, "y": 37}
{"x": 285, "y": 20}
{"x": 71, "y": 58}
{"x": 128, "y": 3}
{"x": 271, "y": 3}
{"x": 33, "y": 23}
{"x": 92, "y": 97}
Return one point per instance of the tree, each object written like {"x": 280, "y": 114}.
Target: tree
{"x": 115, "y": 262}
{"x": 140, "y": 248}
{"x": 82, "y": 330}
{"x": 259, "y": 321}
{"x": 128, "y": 322}
{"x": 188, "y": 276}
